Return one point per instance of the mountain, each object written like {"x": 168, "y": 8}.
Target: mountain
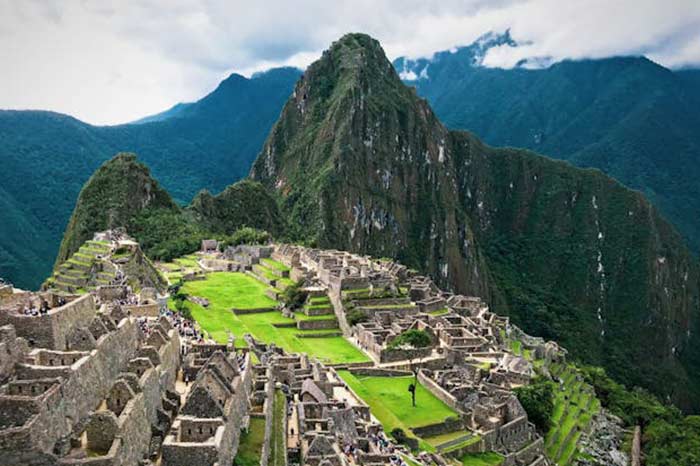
{"x": 245, "y": 203}
{"x": 48, "y": 156}
{"x": 112, "y": 197}
{"x": 122, "y": 193}
{"x": 358, "y": 161}
{"x": 627, "y": 116}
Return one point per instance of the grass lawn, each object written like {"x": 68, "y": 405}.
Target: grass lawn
{"x": 319, "y": 300}
{"x": 390, "y": 401}
{"x": 229, "y": 290}
{"x": 251, "y": 444}
{"x": 444, "y": 438}
{"x": 273, "y": 264}
{"x": 226, "y": 290}
{"x": 490, "y": 458}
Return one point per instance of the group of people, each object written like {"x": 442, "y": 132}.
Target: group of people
{"x": 43, "y": 308}
{"x": 381, "y": 443}
{"x": 185, "y": 327}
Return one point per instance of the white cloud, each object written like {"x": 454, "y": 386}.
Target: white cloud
{"x": 109, "y": 62}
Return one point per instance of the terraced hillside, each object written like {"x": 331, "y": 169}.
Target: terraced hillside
{"x": 575, "y": 404}
{"x": 84, "y": 270}
{"x": 101, "y": 263}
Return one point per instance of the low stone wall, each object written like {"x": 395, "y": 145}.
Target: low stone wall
{"x": 317, "y": 324}
{"x": 144, "y": 310}
{"x": 439, "y": 392}
{"x": 319, "y": 335}
{"x": 268, "y": 413}
{"x": 393, "y": 355}
{"x": 285, "y": 325}
{"x": 252, "y": 311}
{"x": 528, "y": 454}
{"x": 297, "y": 274}
{"x": 379, "y": 372}
{"x": 322, "y": 311}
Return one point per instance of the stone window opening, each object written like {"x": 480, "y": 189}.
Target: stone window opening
{"x": 211, "y": 431}
{"x": 19, "y": 388}
{"x": 50, "y": 362}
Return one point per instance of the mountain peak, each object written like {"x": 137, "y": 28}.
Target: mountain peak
{"x": 119, "y": 189}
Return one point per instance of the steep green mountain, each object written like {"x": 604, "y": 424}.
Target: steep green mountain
{"x": 632, "y": 118}
{"x": 245, "y": 203}
{"x": 359, "y": 162}
{"x": 123, "y": 194}
{"x": 113, "y": 196}
{"x": 47, "y": 157}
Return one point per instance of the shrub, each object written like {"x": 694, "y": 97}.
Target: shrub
{"x": 537, "y": 399}
{"x": 356, "y": 316}
{"x": 293, "y": 296}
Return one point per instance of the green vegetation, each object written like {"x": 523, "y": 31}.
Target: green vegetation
{"x": 482, "y": 459}
{"x": 635, "y": 120}
{"x": 293, "y": 296}
{"x": 278, "y": 450}
{"x": 387, "y": 397}
{"x": 574, "y": 405}
{"x": 668, "y": 437}
{"x": 56, "y": 154}
{"x": 356, "y": 316}
{"x": 250, "y": 447}
{"x": 538, "y": 400}
{"x": 414, "y": 339}
{"x": 273, "y": 264}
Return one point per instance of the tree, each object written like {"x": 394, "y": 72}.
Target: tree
{"x": 412, "y": 339}
{"x": 294, "y": 296}
{"x": 537, "y": 399}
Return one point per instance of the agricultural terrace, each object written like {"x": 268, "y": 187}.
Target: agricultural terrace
{"x": 575, "y": 404}
{"x": 227, "y": 290}
{"x": 390, "y": 402}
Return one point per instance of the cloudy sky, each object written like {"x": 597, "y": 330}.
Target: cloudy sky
{"x": 112, "y": 62}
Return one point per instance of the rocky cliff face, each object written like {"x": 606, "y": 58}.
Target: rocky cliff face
{"x": 358, "y": 161}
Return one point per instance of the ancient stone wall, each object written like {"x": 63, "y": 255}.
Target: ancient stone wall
{"x": 12, "y": 350}
{"x": 51, "y": 330}
{"x": 439, "y": 392}
{"x": 317, "y": 324}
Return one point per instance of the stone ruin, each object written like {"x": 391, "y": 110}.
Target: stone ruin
{"x": 468, "y": 365}
{"x": 95, "y": 386}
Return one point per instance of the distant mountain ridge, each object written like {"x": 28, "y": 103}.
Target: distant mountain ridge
{"x": 47, "y": 157}
{"x": 628, "y": 116}
{"x": 570, "y": 110}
